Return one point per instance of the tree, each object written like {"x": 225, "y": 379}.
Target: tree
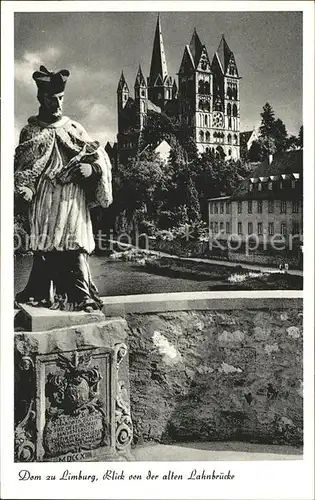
{"x": 301, "y": 137}
{"x": 280, "y": 136}
{"x": 255, "y": 152}
{"x": 268, "y": 120}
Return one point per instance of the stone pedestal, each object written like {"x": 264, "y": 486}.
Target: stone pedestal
{"x": 72, "y": 394}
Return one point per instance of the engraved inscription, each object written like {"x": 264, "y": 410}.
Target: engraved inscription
{"x": 71, "y": 433}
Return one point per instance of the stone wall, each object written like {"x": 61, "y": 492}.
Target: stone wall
{"x": 217, "y": 375}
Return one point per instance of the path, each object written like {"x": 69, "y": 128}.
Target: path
{"x": 251, "y": 267}
{"x": 213, "y": 451}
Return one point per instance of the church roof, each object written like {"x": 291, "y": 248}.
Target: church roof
{"x": 195, "y": 47}
{"x": 122, "y": 84}
{"x": 245, "y": 136}
{"x": 158, "y": 61}
{"x": 140, "y": 81}
{"x": 224, "y": 54}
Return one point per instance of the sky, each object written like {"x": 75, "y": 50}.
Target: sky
{"x": 95, "y": 47}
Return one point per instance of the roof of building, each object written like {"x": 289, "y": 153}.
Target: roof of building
{"x": 122, "y": 82}
{"x": 283, "y": 167}
{"x": 284, "y": 163}
{"x": 195, "y": 47}
{"x": 140, "y": 81}
{"x": 245, "y": 136}
{"x": 224, "y": 53}
{"x": 158, "y": 61}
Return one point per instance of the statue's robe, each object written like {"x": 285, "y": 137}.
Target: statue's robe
{"x": 59, "y": 214}
{"x": 60, "y": 222}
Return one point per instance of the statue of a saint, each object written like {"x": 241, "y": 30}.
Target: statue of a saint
{"x": 61, "y": 172}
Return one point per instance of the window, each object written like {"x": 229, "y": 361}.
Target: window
{"x": 221, "y": 207}
{"x": 295, "y": 228}
{"x": 230, "y": 152}
{"x": 259, "y": 186}
{"x": 227, "y": 228}
{"x": 206, "y": 123}
{"x": 260, "y": 228}
{"x": 283, "y": 228}
{"x": 250, "y": 228}
{"x": 234, "y": 110}
{"x": 250, "y": 187}
{"x": 211, "y": 227}
{"x": 271, "y": 228}
{"x": 221, "y": 227}
{"x": 270, "y": 186}
{"x": 211, "y": 207}
{"x": 250, "y": 207}
{"x": 239, "y": 207}
{"x": 295, "y": 206}
{"x": 201, "y": 135}
{"x": 229, "y": 109}
{"x": 228, "y": 207}
{"x": 283, "y": 207}
{"x": 229, "y": 138}
{"x": 216, "y": 211}
{"x": 259, "y": 206}
{"x": 239, "y": 228}
{"x": 215, "y": 227}
{"x": 293, "y": 183}
{"x": 271, "y": 207}
{"x": 281, "y": 185}
{"x": 207, "y": 135}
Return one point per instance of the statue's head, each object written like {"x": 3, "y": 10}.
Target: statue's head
{"x": 51, "y": 87}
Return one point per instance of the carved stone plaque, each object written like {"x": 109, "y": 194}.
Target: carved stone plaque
{"x": 78, "y": 407}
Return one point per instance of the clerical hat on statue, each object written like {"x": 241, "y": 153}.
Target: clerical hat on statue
{"x": 50, "y": 82}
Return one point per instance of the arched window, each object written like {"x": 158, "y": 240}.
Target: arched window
{"x": 229, "y": 138}
{"x": 206, "y": 120}
{"x": 235, "y": 139}
{"x": 207, "y": 88}
{"x": 230, "y": 152}
{"x": 229, "y": 93}
{"x": 201, "y": 135}
{"x": 230, "y": 122}
{"x": 200, "y": 105}
{"x": 206, "y": 106}
{"x": 229, "y": 109}
{"x": 234, "y": 110}
{"x": 207, "y": 136}
{"x": 215, "y": 136}
{"x": 200, "y": 87}
{"x": 235, "y": 93}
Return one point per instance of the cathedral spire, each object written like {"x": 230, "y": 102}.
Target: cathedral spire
{"x": 158, "y": 61}
{"x": 140, "y": 81}
{"x": 122, "y": 84}
{"x": 195, "y": 47}
{"x": 224, "y": 54}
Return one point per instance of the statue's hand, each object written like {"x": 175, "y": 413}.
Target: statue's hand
{"x": 85, "y": 170}
{"x": 26, "y": 193}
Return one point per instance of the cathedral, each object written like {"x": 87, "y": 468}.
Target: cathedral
{"x": 205, "y": 99}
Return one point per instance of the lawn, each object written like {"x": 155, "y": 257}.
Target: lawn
{"x": 139, "y": 275}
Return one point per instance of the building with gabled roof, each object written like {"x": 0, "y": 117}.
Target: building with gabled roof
{"x": 266, "y": 206}
{"x": 205, "y": 99}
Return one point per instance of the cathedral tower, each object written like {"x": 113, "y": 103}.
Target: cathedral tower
{"x": 195, "y": 92}
{"x": 122, "y": 99}
{"x": 226, "y": 112}
{"x": 141, "y": 99}
{"x": 159, "y": 82}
